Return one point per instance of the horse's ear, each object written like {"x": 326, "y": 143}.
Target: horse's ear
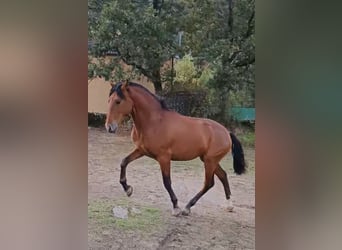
{"x": 125, "y": 84}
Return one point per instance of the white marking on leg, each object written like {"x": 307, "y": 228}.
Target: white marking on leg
{"x": 176, "y": 211}
{"x": 186, "y": 211}
{"x": 229, "y": 205}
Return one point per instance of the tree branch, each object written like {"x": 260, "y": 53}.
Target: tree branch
{"x": 137, "y": 66}
{"x": 248, "y": 61}
{"x": 230, "y": 15}
{"x": 250, "y": 25}
{"x": 233, "y": 56}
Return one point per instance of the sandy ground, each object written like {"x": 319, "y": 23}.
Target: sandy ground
{"x": 209, "y": 225}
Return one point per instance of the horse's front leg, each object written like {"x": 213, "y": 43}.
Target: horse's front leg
{"x": 165, "y": 164}
{"x": 136, "y": 154}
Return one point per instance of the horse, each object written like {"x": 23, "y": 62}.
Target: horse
{"x": 166, "y": 136}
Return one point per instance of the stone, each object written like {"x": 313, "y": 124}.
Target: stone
{"x": 120, "y": 212}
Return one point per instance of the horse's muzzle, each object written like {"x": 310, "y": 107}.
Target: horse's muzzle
{"x": 111, "y": 127}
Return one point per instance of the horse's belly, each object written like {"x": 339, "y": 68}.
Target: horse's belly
{"x": 187, "y": 152}
{"x": 183, "y": 157}
{"x": 188, "y": 145}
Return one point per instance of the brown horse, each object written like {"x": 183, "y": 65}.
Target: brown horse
{"x": 167, "y": 136}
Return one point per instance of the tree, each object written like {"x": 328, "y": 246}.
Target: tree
{"x": 222, "y": 34}
{"x": 217, "y": 33}
{"x": 141, "y": 33}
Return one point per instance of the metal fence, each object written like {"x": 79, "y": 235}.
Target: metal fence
{"x": 186, "y": 103}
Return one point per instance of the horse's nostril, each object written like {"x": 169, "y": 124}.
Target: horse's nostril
{"x": 111, "y": 130}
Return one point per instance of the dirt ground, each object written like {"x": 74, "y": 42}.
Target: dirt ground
{"x": 209, "y": 225}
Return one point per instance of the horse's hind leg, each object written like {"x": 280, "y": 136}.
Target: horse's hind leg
{"x": 222, "y": 175}
{"x": 208, "y": 183}
{"x": 123, "y": 181}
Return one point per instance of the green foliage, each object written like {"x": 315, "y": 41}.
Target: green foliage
{"x": 219, "y": 36}
{"x": 96, "y": 119}
{"x": 231, "y": 54}
{"x": 212, "y": 103}
{"x": 247, "y": 139}
{"x": 206, "y": 75}
{"x": 243, "y": 97}
{"x": 186, "y": 72}
{"x": 188, "y": 76}
{"x": 142, "y": 37}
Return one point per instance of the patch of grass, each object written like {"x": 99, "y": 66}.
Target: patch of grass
{"x": 101, "y": 218}
{"x": 247, "y": 139}
{"x": 149, "y": 218}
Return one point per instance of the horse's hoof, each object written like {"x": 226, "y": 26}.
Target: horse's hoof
{"x": 176, "y": 211}
{"x": 229, "y": 205}
{"x": 129, "y": 191}
{"x": 186, "y": 211}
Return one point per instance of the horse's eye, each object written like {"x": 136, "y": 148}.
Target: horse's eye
{"x": 117, "y": 102}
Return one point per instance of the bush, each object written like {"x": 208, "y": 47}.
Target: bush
{"x": 96, "y": 120}
{"x": 186, "y": 73}
{"x": 248, "y": 139}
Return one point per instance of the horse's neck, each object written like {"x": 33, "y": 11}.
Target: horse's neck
{"x": 146, "y": 111}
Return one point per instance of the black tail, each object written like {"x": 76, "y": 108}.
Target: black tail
{"x": 238, "y": 156}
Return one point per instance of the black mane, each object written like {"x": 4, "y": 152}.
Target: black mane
{"x": 117, "y": 89}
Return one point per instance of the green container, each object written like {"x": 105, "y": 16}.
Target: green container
{"x": 243, "y": 114}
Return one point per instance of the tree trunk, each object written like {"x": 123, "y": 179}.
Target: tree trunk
{"x": 230, "y": 15}
{"x": 156, "y": 79}
{"x": 223, "y": 109}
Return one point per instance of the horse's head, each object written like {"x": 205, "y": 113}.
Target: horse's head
{"x": 120, "y": 105}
